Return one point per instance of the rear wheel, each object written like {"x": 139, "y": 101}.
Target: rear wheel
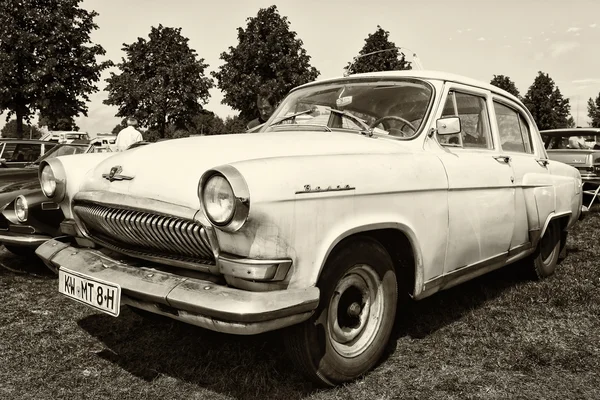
{"x": 546, "y": 256}
{"x": 351, "y": 327}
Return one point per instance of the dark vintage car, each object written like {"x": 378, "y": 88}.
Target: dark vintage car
{"x": 580, "y": 148}
{"x": 16, "y": 153}
{"x": 27, "y": 217}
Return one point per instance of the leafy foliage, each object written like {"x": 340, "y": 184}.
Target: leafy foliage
{"x": 47, "y": 60}
{"x": 119, "y": 126}
{"x": 547, "y": 105}
{"x": 269, "y": 57}
{"x": 234, "y": 124}
{"x": 594, "y": 111}
{"x": 54, "y": 123}
{"x": 390, "y": 60}
{"x": 207, "y": 123}
{"x": 504, "y": 82}
{"x": 162, "y": 81}
{"x": 10, "y": 130}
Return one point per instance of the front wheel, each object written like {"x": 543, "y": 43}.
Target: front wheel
{"x": 351, "y": 327}
{"x": 546, "y": 256}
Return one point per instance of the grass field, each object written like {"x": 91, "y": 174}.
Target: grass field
{"x": 501, "y": 336}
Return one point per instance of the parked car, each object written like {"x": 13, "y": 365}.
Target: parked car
{"x": 403, "y": 183}
{"x": 16, "y": 153}
{"x": 27, "y": 217}
{"x": 108, "y": 141}
{"x": 580, "y": 148}
{"x": 62, "y": 137}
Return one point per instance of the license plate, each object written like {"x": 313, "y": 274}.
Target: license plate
{"x": 103, "y": 296}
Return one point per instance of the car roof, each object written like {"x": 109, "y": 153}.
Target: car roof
{"x": 23, "y": 140}
{"x": 571, "y": 132}
{"x": 419, "y": 74}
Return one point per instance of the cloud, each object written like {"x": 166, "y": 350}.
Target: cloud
{"x": 481, "y": 39}
{"x": 560, "y": 48}
{"x": 573, "y": 29}
{"x": 593, "y": 25}
{"x": 547, "y": 39}
{"x": 538, "y": 56}
{"x": 508, "y": 46}
{"x": 586, "y": 81}
{"x": 459, "y": 30}
{"x": 469, "y": 29}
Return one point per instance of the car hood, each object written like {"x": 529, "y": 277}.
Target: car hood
{"x": 170, "y": 170}
{"x": 19, "y": 183}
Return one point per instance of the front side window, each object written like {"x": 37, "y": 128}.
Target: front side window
{"x": 25, "y": 152}
{"x": 474, "y": 120}
{"x": 513, "y": 130}
{"x": 395, "y": 108}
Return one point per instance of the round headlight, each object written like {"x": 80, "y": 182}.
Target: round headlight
{"x": 48, "y": 181}
{"x": 219, "y": 200}
{"x": 21, "y": 208}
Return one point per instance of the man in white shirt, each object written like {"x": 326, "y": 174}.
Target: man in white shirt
{"x": 129, "y": 135}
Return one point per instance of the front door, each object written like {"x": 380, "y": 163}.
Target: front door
{"x": 481, "y": 198}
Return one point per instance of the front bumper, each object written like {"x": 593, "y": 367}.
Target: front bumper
{"x": 193, "y": 300}
{"x": 20, "y": 239}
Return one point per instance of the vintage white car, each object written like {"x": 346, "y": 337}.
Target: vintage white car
{"x": 389, "y": 184}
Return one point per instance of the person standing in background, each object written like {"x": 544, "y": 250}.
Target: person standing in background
{"x": 128, "y": 136}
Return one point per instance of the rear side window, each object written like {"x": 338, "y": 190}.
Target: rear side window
{"x": 513, "y": 130}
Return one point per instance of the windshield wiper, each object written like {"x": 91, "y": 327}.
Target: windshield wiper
{"x": 291, "y": 116}
{"x": 366, "y": 129}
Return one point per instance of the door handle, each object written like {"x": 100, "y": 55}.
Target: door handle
{"x": 543, "y": 162}
{"x": 504, "y": 159}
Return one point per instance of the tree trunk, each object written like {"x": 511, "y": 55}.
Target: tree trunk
{"x": 19, "y": 114}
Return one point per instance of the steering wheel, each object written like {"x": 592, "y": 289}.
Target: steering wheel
{"x": 394, "y": 117}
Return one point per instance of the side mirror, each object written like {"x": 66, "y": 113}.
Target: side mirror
{"x": 448, "y": 126}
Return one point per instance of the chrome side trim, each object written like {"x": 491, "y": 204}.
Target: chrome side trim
{"x": 465, "y": 273}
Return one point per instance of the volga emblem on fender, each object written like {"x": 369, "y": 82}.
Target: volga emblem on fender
{"x": 114, "y": 174}
{"x": 320, "y": 189}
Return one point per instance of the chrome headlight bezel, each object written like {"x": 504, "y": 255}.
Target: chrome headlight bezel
{"x": 21, "y": 208}
{"x": 241, "y": 197}
{"x": 52, "y": 173}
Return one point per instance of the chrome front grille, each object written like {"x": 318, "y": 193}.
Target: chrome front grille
{"x": 146, "y": 233}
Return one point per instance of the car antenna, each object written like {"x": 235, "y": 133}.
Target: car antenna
{"x": 414, "y": 63}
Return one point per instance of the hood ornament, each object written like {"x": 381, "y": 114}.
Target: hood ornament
{"x": 114, "y": 174}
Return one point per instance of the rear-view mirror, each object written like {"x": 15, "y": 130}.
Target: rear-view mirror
{"x": 448, "y": 126}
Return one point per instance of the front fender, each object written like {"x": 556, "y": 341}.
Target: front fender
{"x": 73, "y": 170}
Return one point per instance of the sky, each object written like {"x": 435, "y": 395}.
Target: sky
{"x": 474, "y": 38}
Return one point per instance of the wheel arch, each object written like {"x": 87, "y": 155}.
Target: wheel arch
{"x": 401, "y": 244}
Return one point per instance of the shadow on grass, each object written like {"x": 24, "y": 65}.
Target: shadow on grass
{"x": 418, "y": 319}
{"x": 31, "y": 265}
{"x": 239, "y": 366}
{"x": 256, "y": 366}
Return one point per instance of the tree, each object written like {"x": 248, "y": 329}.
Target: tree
{"x": 47, "y": 60}
{"x": 547, "y": 105}
{"x": 594, "y": 111}
{"x": 10, "y": 130}
{"x": 234, "y": 124}
{"x": 58, "y": 124}
{"x": 207, "y": 123}
{"x": 269, "y": 56}
{"x": 161, "y": 82}
{"x": 119, "y": 127}
{"x": 389, "y": 60}
{"x": 504, "y": 82}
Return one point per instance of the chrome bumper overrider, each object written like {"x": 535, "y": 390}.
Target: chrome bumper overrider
{"x": 196, "y": 301}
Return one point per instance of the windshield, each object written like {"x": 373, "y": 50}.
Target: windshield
{"x": 63, "y": 150}
{"x": 571, "y": 142}
{"x": 392, "y": 108}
